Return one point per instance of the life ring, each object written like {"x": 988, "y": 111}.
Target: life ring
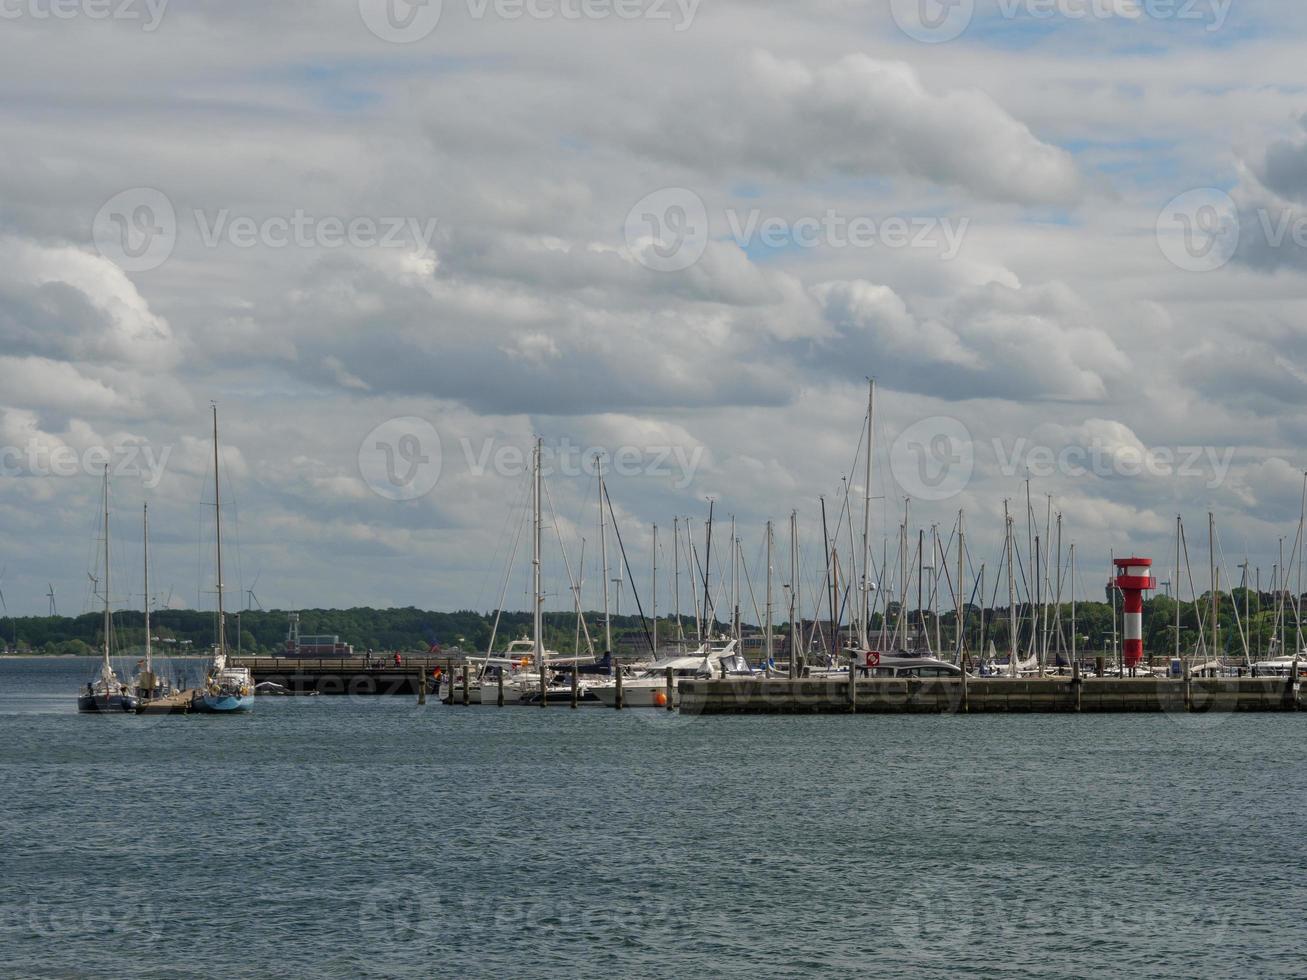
{"x": 872, "y": 659}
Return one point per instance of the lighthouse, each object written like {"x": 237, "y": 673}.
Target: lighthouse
{"x": 1134, "y": 576}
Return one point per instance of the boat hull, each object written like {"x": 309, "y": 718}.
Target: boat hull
{"x": 107, "y": 704}
{"x": 222, "y": 704}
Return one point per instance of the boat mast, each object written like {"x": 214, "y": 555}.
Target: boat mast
{"x": 1071, "y": 557}
{"x": 1297, "y": 598}
{"x": 865, "y": 586}
{"x": 145, "y": 526}
{"x": 794, "y": 593}
{"x": 107, "y": 616}
{"x": 768, "y": 630}
{"x": 735, "y": 582}
{"x": 537, "y": 624}
{"x": 960, "y": 614}
{"x": 1216, "y": 602}
{"x": 217, "y": 524}
{"x": 676, "y": 574}
{"x": 603, "y": 548}
{"x": 709, "y": 609}
{"x": 655, "y": 591}
{"x": 1011, "y": 594}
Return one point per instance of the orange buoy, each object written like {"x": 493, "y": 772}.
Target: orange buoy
{"x": 660, "y": 699}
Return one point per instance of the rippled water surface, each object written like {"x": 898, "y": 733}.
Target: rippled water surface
{"x": 372, "y": 837}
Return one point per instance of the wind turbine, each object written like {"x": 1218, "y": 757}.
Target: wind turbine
{"x": 5, "y": 606}
{"x": 251, "y": 599}
{"x": 50, "y": 595}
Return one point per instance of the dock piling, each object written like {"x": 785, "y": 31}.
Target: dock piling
{"x": 467, "y": 684}
{"x": 575, "y": 688}
{"x": 499, "y": 679}
{"x": 617, "y": 675}
{"x": 422, "y": 685}
{"x": 671, "y": 689}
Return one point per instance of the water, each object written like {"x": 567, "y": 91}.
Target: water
{"x": 346, "y": 837}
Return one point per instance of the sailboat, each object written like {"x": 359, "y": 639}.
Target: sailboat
{"x": 106, "y": 693}
{"x": 226, "y": 689}
{"x": 147, "y": 684}
{"x": 531, "y": 674}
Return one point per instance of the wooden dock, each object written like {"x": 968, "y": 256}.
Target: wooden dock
{"x": 348, "y": 675}
{"x": 171, "y": 704}
{"x": 988, "y": 695}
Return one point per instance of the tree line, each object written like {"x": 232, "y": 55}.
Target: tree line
{"x": 1241, "y": 612}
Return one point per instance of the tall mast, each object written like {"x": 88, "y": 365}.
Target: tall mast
{"x": 829, "y": 556}
{"x": 537, "y": 599}
{"x": 603, "y": 549}
{"x": 1297, "y": 595}
{"x": 1176, "y": 576}
{"x": 1216, "y": 602}
{"x": 921, "y": 571}
{"x": 655, "y": 591}
{"x": 709, "y": 610}
{"x": 767, "y": 626}
{"x": 676, "y": 574}
{"x": 217, "y": 525}
{"x": 145, "y": 526}
{"x": 960, "y": 613}
{"x": 1011, "y": 594}
{"x": 107, "y": 618}
{"x": 735, "y": 582}
{"x": 794, "y": 593}
{"x": 1071, "y": 558}
{"x": 865, "y": 586}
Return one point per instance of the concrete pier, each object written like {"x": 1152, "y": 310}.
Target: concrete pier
{"x": 986, "y": 695}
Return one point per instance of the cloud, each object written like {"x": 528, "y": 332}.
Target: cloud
{"x": 862, "y": 117}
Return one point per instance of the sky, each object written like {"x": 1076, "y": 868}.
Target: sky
{"x": 395, "y": 243}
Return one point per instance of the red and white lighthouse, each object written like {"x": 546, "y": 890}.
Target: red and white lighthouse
{"x": 1134, "y": 577}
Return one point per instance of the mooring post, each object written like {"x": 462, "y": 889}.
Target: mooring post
{"x": 467, "y": 684}
{"x": 422, "y": 685}
{"x": 853, "y": 685}
{"x": 1075, "y": 683}
{"x": 576, "y": 693}
{"x": 1188, "y": 688}
{"x": 1100, "y": 665}
{"x": 617, "y": 675}
{"x": 671, "y": 689}
{"x": 499, "y": 700}
{"x": 964, "y": 706}
{"x": 449, "y": 672}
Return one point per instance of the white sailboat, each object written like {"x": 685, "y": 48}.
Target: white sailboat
{"x": 226, "y": 689}
{"x": 106, "y": 693}
{"x": 530, "y": 673}
{"x": 147, "y": 684}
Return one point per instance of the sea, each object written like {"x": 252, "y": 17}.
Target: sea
{"x": 375, "y": 837}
